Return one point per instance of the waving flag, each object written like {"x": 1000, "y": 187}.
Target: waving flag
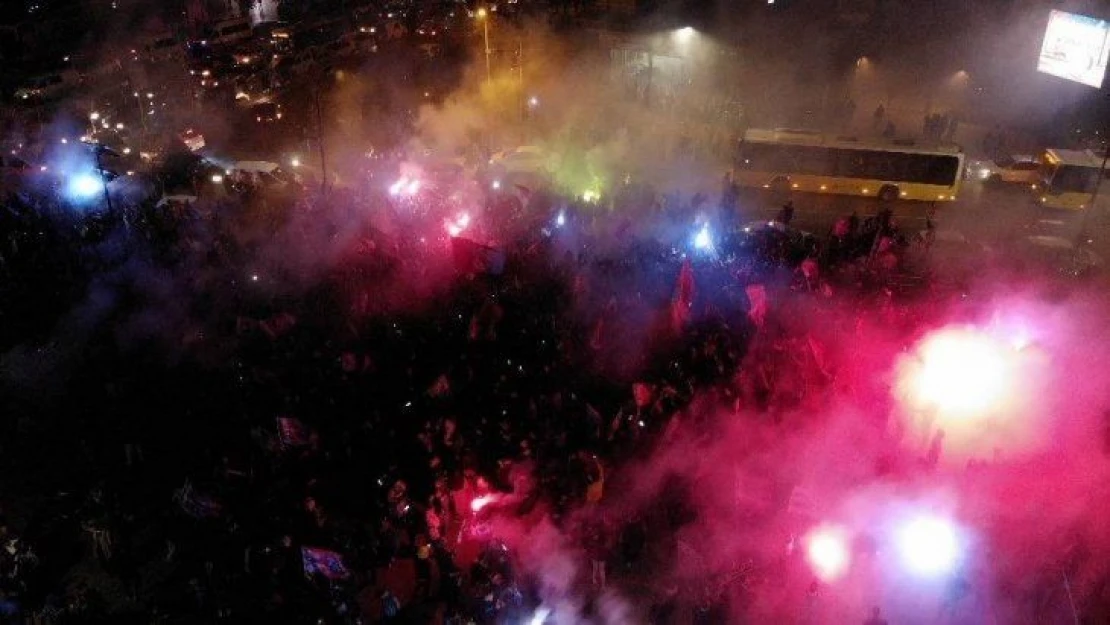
{"x": 684, "y": 297}
{"x": 197, "y": 505}
{"x": 324, "y": 562}
{"x": 292, "y": 433}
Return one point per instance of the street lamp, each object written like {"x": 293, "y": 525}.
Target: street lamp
{"x": 484, "y": 16}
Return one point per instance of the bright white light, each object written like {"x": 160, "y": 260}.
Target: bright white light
{"x": 929, "y": 546}
{"x": 84, "y": 186}
{"x": 827, "y": 552}
{"x": 413, "y": 187}
{"x": 496, "y": 185}
{"x": 397, "y": 187}
{"x": 685, "y": 34}
{"x": 94, "y": 116}
{"x": 295, "y": 162}
{"x": 540, "y": 616}
{"x": 703, "y": 240}
{"x": 456, "y": 226}
{"x": 217, "y": 178}
{"x": 119, "y": 126}
{"x": 533, "y": 101}
{"x": 963, "y": 373}
{"x": 126, "y": 150}
{"x": 478, "y": 503}
{"x": 561, "y": 219}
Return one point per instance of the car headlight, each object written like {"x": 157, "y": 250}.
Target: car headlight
{"x": 984, "y": 173}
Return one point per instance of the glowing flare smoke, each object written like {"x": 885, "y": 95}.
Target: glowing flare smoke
{"x": 929, "y": 546}
{"x": 827, "y": 552}
{"x": 458, "y": 225}
{"x": 478, "y": 503}
{"x": 963, "y": 373}
{"x": 84, "y": 186}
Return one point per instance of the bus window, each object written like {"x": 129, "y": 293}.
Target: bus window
{"x": 813, "y": 161}
{"x": 756, "y": 156}
{"x": 943, "y": 170}
{"x": 851, "y": 163}
{"x": 1070, "y": 178}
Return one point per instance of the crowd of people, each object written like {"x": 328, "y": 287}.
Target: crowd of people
{"x": 247, "y": 410}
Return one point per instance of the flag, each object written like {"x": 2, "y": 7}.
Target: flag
{"x": 441, "y": 387}
{"x": 324, "y": 562}
{"x": 197, "y": 505}
{"x": 292, "y": 433}
{"x": 472, "y": 257}
{"x": 642, "y": 393}
{"x": 683, "y": 298}
{"x": 757, "y": 303}
{"x": 278, "y": 325}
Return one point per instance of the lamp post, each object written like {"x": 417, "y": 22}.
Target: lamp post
{"x": 483, "y": 15}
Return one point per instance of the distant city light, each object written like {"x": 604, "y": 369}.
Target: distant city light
{"x": 94, "y": 116}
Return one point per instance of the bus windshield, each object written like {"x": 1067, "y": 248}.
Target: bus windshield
{"x": 1074, "y": 179}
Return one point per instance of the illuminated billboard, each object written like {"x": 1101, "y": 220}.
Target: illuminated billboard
{"x": 1075, "y": 47}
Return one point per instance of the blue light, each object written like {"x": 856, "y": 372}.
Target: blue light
{"x": 703, "y": 240}
{"x": 83, "y": 186}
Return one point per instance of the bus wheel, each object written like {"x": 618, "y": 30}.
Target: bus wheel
{"x": 888, "y": 193}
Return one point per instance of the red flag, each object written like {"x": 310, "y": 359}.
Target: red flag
{"x": 598, "y": 336}
{"x": 757, "y": 303}
{"x": 472, "y": 257}
{"x": 643, "y": 394}
{"x": 684, "y": 297}
{"x": 685, "y": 292}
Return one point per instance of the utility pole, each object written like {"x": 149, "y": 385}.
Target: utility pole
{"x": 520, "y": 76}
{"x": 97, "y": 149}
{"x": 1085, "y": 224}
{"x": 484, "y": 15}
{"x": 320, "y": 141}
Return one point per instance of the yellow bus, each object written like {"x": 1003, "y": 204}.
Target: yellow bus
{"x": 1068, "y": 178}
{"x": 816, "y": 163}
